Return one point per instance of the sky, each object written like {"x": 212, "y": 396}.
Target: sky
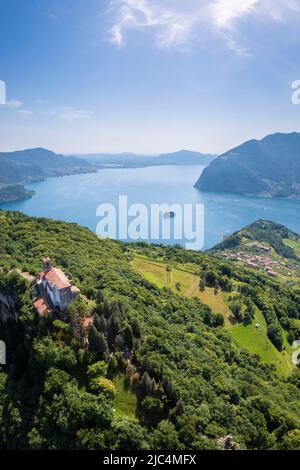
{"x": 147, "y": 76}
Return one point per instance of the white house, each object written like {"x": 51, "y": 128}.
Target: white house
{"x": 56, "y": 287}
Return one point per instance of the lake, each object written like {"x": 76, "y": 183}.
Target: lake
{"x": 76, "y": 198}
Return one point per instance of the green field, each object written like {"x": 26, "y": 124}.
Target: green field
{"x": 156, "y": 272}
{"x": 293, "y": 244}
{"x": 125, "y": 400}
{"x": 255, "y": 340}
{"x": 248, "y": 337}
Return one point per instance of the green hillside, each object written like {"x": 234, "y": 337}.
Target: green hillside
{"x": 267, "y": 246}
{"x": 249, "y": 336}
{"x": 31, "y": 165}
{"x": 159, "y": 370}
{"x": 269, "y": 167}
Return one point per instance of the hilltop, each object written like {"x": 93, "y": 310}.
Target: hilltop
{"x": 25, "y": 166}
{"x": 132, "y": 160}
{"x": 160, "y": 370}
{"x": 264, "y": 245}
{"x": 268, "y": 167}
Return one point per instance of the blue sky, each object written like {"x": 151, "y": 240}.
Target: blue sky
{"x": 147, "y": 76}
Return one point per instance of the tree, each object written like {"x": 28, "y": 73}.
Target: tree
{"x": 35, "y": 439}
{"x": 180, "y": 408}
{"x": 169, "y": 389}
{"x": 97, "y": 323}
{"x": 218, "y": 319}
{"x": 96, "y": 370}
{"x": 275, "y": 335}
{"x": 106, "y": 309}
{"x": 146, "y": 386}
{"x": 48, "y": 354}
{"x": 165, "y": 437}
{"x": 211, "y": 277}
{"x": 119, "y": 343}
{"x": 128, "y": 337}
{"x": 97, "y": 342}
{"x": 113, "y": 328}
{"x": 104, "y": 387}
{"x": 128, "y": 434}
{"x": 291, "y": 440}
{"x": 236, "y": 308}
{"x": 55, "y": 381}
{"x": 113, "y": 367}
{"x": 178, "y": 286}
{"x": 152, "y": 408}
{"x": 136, "y": 328}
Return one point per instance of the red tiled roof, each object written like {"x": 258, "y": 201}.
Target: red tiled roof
{"x": 41, "y": 306}
{"x": 88, "y": 322}
{"x": 57, "y": 278}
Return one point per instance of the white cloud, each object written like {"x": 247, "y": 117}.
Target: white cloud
{"x": 25, "y": 112}
{"x": 69, "y": 113}
{"x": 13, "y": 104}
{"x": 224, "y": 12}
{"x": 180, "y": 22}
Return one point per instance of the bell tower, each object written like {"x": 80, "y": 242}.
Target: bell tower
{"x": 47, "y": 264}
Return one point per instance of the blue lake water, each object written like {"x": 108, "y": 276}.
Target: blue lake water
{"x": 76, "y": 198}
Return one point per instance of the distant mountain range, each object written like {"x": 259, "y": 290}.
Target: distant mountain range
{"x": 25, "y": 166}
{"x": 132, "y": 160}
{"x": 268, "y": 167}
{"x": 37, "y": 164}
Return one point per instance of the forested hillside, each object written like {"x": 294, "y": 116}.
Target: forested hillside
{"x": 159, "y": 370}
{"x": 269, "y": 167}
{"x": 25, "y": 166}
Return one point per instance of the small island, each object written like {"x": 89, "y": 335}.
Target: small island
{"x": 14, "y": 192}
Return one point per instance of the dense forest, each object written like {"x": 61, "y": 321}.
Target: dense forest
{"x": 269, "y": 167}
{"x": 188, "y": 384}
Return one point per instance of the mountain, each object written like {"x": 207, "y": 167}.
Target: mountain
{"x": 159, "y": 370}
{"x": 264, "y": 245}
{"x": 131, "y": 160}
{"x": 37, "y": 164}
{"x": 184, "y": 157}
{"x": 14, "y": 192}
{"x": 268, "y": 167}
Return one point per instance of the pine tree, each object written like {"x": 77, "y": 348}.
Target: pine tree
{"x": 128, "y": 337}
{"x": 97, "y": 342}
{"x": 202, "y": 285}
{"x": 146, "y": 386}
{"x": 119, "y": 343}
{"x": 136, "y": 328}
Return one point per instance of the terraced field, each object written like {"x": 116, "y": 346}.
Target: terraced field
{"x": 183, "y": 281}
